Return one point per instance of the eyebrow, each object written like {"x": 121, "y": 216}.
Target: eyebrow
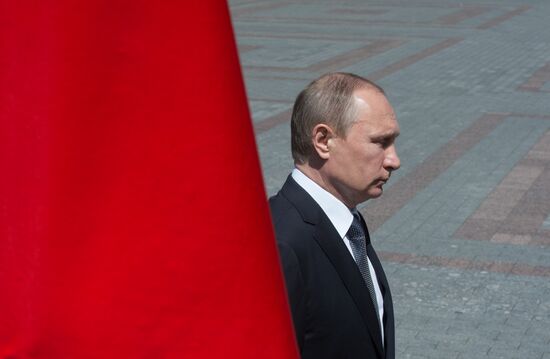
{"x": 386, "y": 135}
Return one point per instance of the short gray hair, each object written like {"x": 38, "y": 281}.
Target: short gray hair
{"x": 328, "y": 100}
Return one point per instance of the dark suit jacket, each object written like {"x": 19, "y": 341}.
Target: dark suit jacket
{"x": 331, "y": 307}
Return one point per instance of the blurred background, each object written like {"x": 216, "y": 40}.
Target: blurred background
{"x": 463, "y": 228}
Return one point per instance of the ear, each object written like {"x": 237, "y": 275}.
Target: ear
{"x": 321, "y": 138}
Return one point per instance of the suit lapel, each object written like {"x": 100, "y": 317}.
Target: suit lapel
{"x": 389, "y": 331}
{"x": 349, "y": 273}
{"x": 334, "y": 248}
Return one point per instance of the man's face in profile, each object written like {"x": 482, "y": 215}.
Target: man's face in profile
{"x": 361, "y": 162}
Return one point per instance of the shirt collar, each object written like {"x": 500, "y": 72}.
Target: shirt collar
{"x": 337, "y": 212}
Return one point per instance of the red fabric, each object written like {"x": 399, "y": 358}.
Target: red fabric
{"x": 133, "y": 219}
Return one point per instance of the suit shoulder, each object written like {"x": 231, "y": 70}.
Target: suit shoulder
{"x": 280, "y": 207}
{"x": 290, "y": 227}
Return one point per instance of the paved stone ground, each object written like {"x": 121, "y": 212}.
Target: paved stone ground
{"x": 464, "y": 226}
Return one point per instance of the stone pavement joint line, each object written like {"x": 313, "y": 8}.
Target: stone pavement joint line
{"x": 258, "y": 7}
{"x": 494, "y": 22}
{"x": 516, "y": 209}
{"x": 461, "y": 15}
{"x": 272, "y": 121}
{"x": 538, "y": 80}
{"x": 399, "y": 65}
{"x": 342, "y": 60}
{"x": 465, "y": 263}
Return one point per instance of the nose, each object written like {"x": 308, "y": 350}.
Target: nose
{"x": 392, "y": 161}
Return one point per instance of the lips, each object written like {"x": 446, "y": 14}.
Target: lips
{"x": 381, "y": 181}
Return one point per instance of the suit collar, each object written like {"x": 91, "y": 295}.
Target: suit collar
{"x": 302, "y": 201}
{"x": 339, "y": 214}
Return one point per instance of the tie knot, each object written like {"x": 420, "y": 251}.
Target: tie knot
{"x": 356, "y": 231}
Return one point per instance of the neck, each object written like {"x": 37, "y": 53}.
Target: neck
{"x": 317, "y": 176}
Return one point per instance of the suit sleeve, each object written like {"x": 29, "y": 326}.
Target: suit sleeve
{"x": 295, "y": 287}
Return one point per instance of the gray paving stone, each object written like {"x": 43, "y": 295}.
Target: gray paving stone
{"x": 546, "y": 224}
{"x": 459, "y": 311}
{"x": 264, "y": 109}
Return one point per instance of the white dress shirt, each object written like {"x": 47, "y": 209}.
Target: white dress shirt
{"x": 341, "y": 218}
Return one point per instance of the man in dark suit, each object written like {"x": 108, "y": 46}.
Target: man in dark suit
{"x": 343, "y": 131}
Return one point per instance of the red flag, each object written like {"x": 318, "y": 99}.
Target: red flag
{"x": 133, "y": 219}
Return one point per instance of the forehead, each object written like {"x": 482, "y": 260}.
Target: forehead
{"x": 374, "y": 113}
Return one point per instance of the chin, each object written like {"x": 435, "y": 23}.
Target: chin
{"x": 375, "y": 194}
{"x": 370, "y": 193}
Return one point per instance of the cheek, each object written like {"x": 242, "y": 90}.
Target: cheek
{"x": 373, "y": 159}
{"x": 371, "y": 170}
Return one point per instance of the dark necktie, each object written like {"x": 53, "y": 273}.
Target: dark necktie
{"x": 358, "y": 241}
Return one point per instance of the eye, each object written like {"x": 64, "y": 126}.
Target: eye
{"x": 384, "y": 143}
